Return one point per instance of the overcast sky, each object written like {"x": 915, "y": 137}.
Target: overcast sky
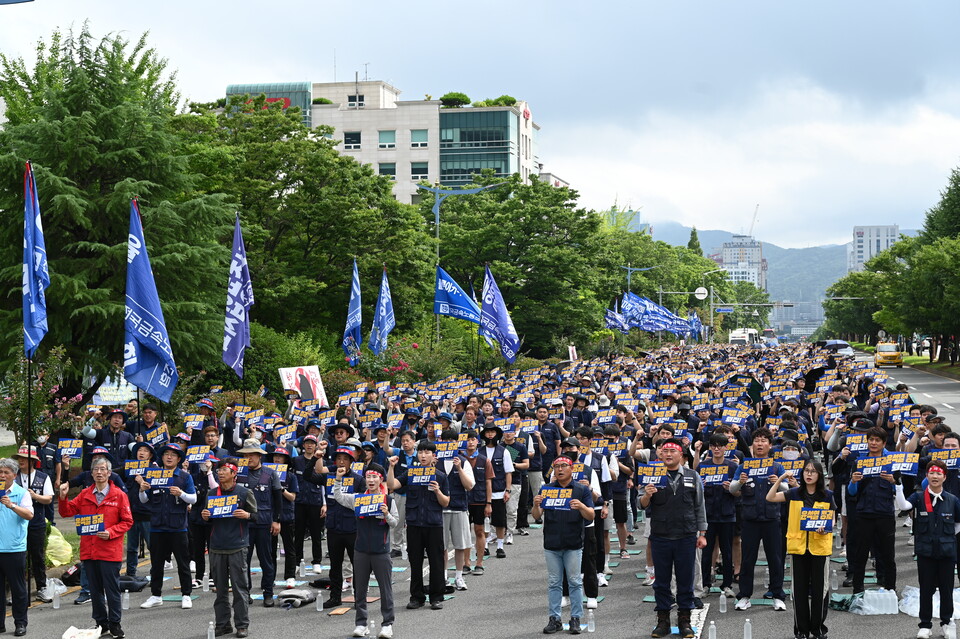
{"x": 827, "y": 114}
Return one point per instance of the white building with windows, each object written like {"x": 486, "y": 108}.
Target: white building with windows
{"x": 414, "y": 140}
{"x": 742, "y": 258}
{"x": 868, "y": 241}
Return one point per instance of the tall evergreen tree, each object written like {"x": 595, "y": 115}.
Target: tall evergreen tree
{"x": 694, "y": 243}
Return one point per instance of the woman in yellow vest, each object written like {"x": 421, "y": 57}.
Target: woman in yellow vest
{"x": 810, "y": 543}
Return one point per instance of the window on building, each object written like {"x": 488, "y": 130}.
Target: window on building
{"x": 355, "y": 101}
{"x": 351, "y": 140}
{"x": 418, "y": 171}
{"x": 388, "y": 168}
{"x": 418, "y": 138}
{"x": 388, "y": 139}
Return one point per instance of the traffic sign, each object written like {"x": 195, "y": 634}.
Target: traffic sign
{"x": 724, "y": 309}
{"x": 701, "y": 293}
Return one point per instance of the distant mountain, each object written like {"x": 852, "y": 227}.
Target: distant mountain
{"x": 795, "y": 274}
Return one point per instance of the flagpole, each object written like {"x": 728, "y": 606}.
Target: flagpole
{"x": 29, "y": 437}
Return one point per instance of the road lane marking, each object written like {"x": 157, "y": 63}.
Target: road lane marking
{"x": 948, "y": 405}
{"x": 928, "y": 395}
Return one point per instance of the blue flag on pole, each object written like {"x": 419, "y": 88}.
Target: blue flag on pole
{"x": 450, "y": 299}
{"x": 147, "y": 359}
{"x": 385, "y": 320}
{"x": 495, "y": 321}
{"x": 236, "y": 327}
{"x": 35, "y": 276}
{"x": 352, "y": 339}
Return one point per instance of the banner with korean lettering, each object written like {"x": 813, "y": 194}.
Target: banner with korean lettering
{"x": 89, "y": 524}
{"x": 495, "y": 321}
{"x": 555, "y": 498}
{"x": 236, "y": 327}
{"x": 36, "y": 278}
{"x": 450, "y": 299}
{"x": 147, "y": 358}
{"x": 817, "y": 519}
{"x": 369, "y": 504}
{"x": 222, "y": 505}
{"x": 384, "y": 320}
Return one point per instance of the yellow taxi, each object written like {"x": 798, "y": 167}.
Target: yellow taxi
{"x": 888, "y": 354}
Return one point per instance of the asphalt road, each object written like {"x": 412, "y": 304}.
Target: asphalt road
{"x": 509, "y": 601}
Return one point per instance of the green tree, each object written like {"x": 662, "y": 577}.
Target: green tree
{"x": 694, "y": 243}
{"x": 306, "y": 212}
{"x": 454, "y": 100}
{"x": 854, "y": 316}
{"x": 943, "y": 220}
{"x": 93, "y": 117}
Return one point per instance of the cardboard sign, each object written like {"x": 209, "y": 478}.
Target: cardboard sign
{"x": 528, "y": 426}
{"x": 421, "y": 475}
{"x": 156, "y": 436}
{"x": 197, "y": 453}
{"x": 89, "y": 524}
{"x": 951, "y": 457}
{"x": 734, "y": 416}
{"x": 606, "y": 416}
{"x": 135, "y": 467}
{"x": 555, "y": 498}
{"x": 368, "y": 504}
{"x": 279, "y": 469}
{"x": 599, "y": 445}
{"x": 758, "y": 467}
{"x": 652, "y": 474}
{"x": 348, "y": 484}
{"x": 910, "y": 426}
{"x": 792, "y": 466}
{"x": 619, "y": 448}
{"x": 873, "y": 466}
{"x": 193, "y": 422}
{"x": 243, "y": 467}
{"x": 69, "y": 447}
{"x": 816, "y": 519}
{"x": 357, "y": 467}
{"x": 904, "y": 463}
{"x": 158, "y": 477}
{"x": 284, "y": 433}
{"x": 222, "y": 505}
{"x": 713, "y": 474}
{"x": 857, "y": 443}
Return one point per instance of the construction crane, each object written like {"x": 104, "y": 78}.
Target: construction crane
{"x": 754, "y": 221}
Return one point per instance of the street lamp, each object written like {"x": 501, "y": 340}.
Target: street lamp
{"x": 703, "y": 276}
{"x": 630, "y": 270}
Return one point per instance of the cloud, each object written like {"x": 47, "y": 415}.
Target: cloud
{"x": 816, "y": 162}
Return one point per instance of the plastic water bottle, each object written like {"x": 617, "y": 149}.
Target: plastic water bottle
{"x": 211, "y": 631}
{"x": 723, "y": 602}
{"x": 206, "y": 584}
{"x": 371, "y": 625}
{"x": 56, "y": 598}
{"x": 747, "y": 629}
{"x": 712, "y": 632}
{"x": 125, "y": 600}
{"x": 319, "y": 603}
{"x": 591, "y": 621}
{"x": 303, "y": 569}
{"x": 834, "y": 580}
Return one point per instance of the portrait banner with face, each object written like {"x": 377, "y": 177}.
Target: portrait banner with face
{"x": 305, "y": 380}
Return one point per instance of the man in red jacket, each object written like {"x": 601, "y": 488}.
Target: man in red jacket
{"x": 106, "y": 516}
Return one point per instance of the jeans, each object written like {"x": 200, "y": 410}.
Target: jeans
{"x": 560, "y": 562}
{"x": 104, "y": 579}
{"x": 139, "y": 530}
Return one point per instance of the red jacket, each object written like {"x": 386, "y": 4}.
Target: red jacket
{"x": 117, "y": 519}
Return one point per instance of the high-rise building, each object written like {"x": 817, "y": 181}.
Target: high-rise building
{"x": 414, "y": 140}
{"x": 867, "y": 242}
{"x": 742, "y": 258}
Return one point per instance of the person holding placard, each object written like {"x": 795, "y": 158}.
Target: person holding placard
{"x": 717, "y": 471}
{"x": 376, "y": 515}
{"x": 140, "y": 531}
{"x": 265, "y": 484}
{"x": 229, "y": 509}
{"x": 102, "y": 551}
{"x": 563, "y": 539}
{"x": 936, "y": 515}
{"x": 457, "y": 533}
{"x": 38, "y": 486}
{"x": 16, "y": 512}
{"x": 169, "y": 499}
{"x": 282, "y": 456}
{"x": 678, "y": 527}
{"x": 810, "y": 544}
{"x": 871, "y": 494}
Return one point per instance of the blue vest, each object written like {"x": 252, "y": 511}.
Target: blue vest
{"x": 13, "y": 537}
{"x": 310, "y": 494}
{"x": 341, "y": 519}
{"x": 36, "y": 485}
{"x": 933, "y": 532}
{"x": 373, "y": 534}
{"x": 287, "y": 510}
{"x": 263, "y": 493}
{"x": 874, "y": 498}
{"x": 478, "y": 494}
{"x": 458, "y": 495}
{"x": 499, "y": 474}
{"x": 168, "y": 513}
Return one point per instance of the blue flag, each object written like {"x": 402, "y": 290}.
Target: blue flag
{"x": 352, "y": 339}
{"x": 384, "y": 322}
{"x": 35, "y": 275}
{"x": 147, "y": 359}
{"x": 236, "y": 327}
{"x": 495, "y": 321}
{"x": 450, "y": 299}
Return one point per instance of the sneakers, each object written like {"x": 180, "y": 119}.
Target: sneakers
{"x": 361, "y": 631}
{"x": 565, "y": 602}
{"x": 924, "y": 633}
{"x": 728, "y": 591}
{"x": 477, "y": 571}
{"x": 167, "y": 565}
{"x": 607, "y": 570}
{"x": 601, "y": 580}
{"x": 45, "y": 594}
{"x": 317, "y": 568}
{"x": 522, "y": 532}
{"x": 186, "y": 603}
{"x": 460, "y": 584}
{"x": 501, "y": 554}
{"x": 196, "y": 584}
{"x": 624, "y": 554}
{"x": 394, "y": 554}
{"x": 152, "y": 602}
{"x": 649, "y": 580}
{"x": 843, "y": 551}
{"x": 778, "y": 604}
{"x": 291, "y": 583}
{"x": 591, "y": 603}
{"x": 116, "y": 631}
{"x": 193, "y": 566}
{"x": 743, "y": 603}
{"x": 574, "y": 626}
{"x": 491, "y": 536}
{"x": 386, "y": 632}
{"x": 82, "y": 598}
{"x": 631, "y": 541}
{"x": 508, "y": 540}
{"x": 553, "y": 626}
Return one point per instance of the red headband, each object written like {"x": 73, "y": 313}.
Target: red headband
{"x": 935, "y": 469}
{"x": 232, "y": 467}
{"x": 561, "y": 461}
{"x": 672, "y": 446}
